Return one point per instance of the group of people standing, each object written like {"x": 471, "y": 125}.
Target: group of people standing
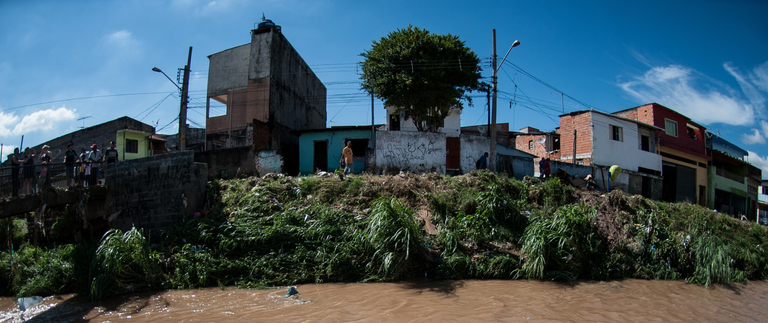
{"x": 80, "y": 169}
{"x": 21, "y": 177}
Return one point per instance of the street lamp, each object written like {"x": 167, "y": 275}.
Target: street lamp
{"x": 166, "y": 76}
{"x": 183, "y": 110}
{"x": 494, "y": 80}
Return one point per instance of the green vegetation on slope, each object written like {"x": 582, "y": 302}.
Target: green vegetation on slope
{"x": 282, "y": 230}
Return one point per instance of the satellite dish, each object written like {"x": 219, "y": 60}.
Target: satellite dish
{"x": 481, "y": 129}
{"x": 542, "y": 140}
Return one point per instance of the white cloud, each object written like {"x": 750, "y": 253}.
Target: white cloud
{"x": 759, "y": 76}
{"x": 750, "y": 90}
{"x": 764, "y": 127}
{"x": 35, "y": 121}
{"x": 674, "y": 86}
{"x": 122, "y": 39}
{"x": 754, "y": 138}
{"x": 759, "y": 162}
{"x": 6, "y": 122}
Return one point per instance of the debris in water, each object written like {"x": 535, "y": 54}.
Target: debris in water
{"x": 27, "y": 302}
{"x": 291, "y": 291}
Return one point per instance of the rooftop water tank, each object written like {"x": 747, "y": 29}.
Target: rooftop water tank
{"x": 265, "y": 22}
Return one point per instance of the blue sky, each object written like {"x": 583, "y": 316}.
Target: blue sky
{"x": 65, "y": 60}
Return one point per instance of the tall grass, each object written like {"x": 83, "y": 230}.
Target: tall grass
{"x": 393, "y": 235}
{"x": 124, "y": 262}
{"x": 563, "y": 246}
{"x": 43, "y": 271}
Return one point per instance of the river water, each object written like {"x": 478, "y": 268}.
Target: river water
{"x": 421, "y": 301}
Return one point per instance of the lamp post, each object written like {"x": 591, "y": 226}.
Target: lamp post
{"x": 183, "y": 109}
{"x": 494, "y": 80}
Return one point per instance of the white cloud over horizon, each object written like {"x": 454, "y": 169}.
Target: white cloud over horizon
{"x": 674, "y": 86}
{"x": 755, "y": 138}
{"x": 13, "y": 125}
{"x": 759, "y": 162}
{"x": 708, "y": 101}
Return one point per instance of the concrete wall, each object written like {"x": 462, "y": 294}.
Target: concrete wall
{"x": 522, "y": 163}
{"x": 577, "y": 170}
{"x": 233, "y": 161}
{"x": 520, "y": 166}
{"x": 629, "y": 182}
{"x": 228, "y": 70}
{"x": 155, "y": 192}
{"x": 416, "y": 152}
{"x": 626, "y": 153}
{"x": 297, "y": 97}
{"x": 268, "y": 161}
{"x": 336, "y": 142}
{"x": 472, "y": 147}
{"x": 239, "y": 161}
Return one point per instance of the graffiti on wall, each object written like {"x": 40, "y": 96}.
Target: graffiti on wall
{"x": 411, "y": 152}
{"x": 410, "y": 155}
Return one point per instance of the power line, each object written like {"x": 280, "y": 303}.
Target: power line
{"x": 550, "y": 86}
{"x": 342, "y": 108}
{"x": 153, "y": 107}
{"x": 83, "y": 98}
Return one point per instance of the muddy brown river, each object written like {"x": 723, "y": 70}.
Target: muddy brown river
{"x": 421, "y": 301}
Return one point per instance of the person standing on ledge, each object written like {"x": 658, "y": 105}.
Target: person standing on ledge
{"x": 95, "y": 158}
{"x": 111, "y": 156}
{"x": 70, "y": 157}
{"x": 15, "y": 166}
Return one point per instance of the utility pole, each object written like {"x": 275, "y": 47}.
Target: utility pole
{"x": 492, "y": 130}
{"x": 373, "y": 127}
{"x": 494, "y": 79}
{"x": 488, "y": 97}
{"x": 574, "y": 146}
{"x": 184, "y": 101}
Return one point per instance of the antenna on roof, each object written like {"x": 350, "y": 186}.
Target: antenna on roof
{"x": 83, "y": 118}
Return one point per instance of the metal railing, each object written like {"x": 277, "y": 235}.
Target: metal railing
{"x": 32, "y": 178}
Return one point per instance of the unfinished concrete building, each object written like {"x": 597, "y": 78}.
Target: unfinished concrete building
{"x": 258, "y": 93}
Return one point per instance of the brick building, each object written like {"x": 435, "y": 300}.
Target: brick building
{"x": 602, "y": 140}
{"x": 682, "y": 148}
{"x": 539, "y": 143}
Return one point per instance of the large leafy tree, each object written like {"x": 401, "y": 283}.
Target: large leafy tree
{"x": 421, "y": 73}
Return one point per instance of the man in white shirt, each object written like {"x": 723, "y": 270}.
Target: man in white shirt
{"x": 95, "y": 157}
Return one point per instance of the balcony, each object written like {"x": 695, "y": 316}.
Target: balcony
{"x": 729, "y": 175}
